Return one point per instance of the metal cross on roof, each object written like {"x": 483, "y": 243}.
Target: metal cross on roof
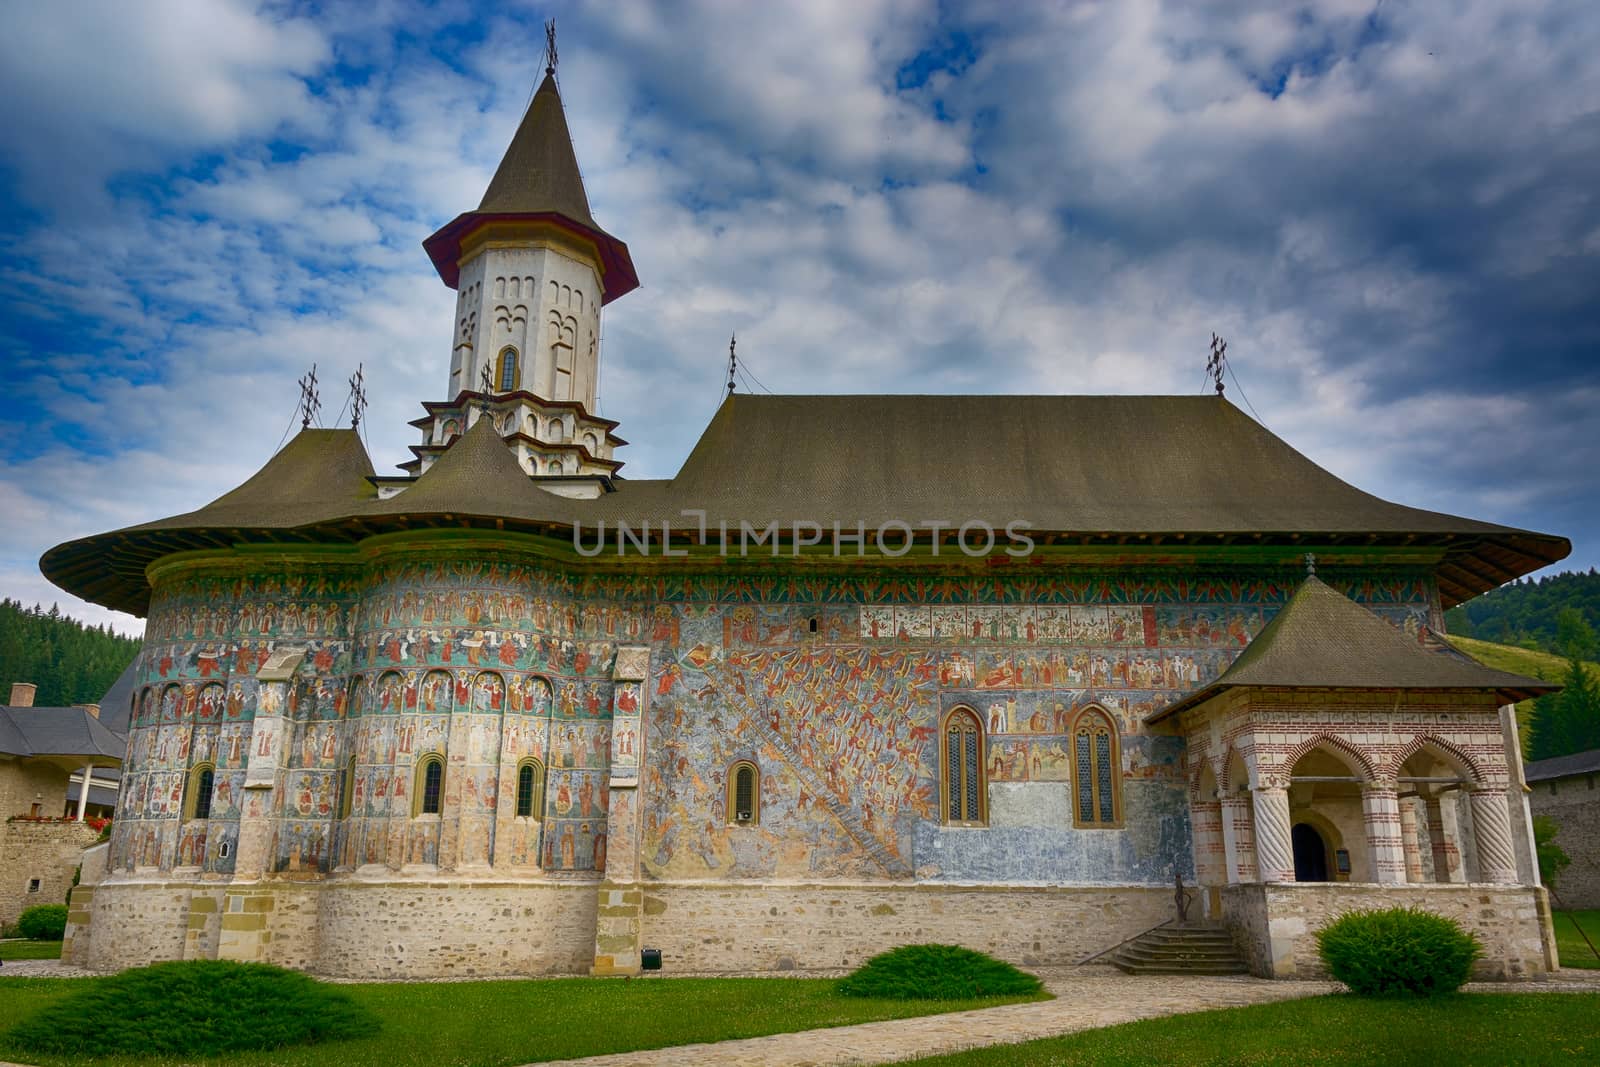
{"x": 486, "y": 380}
{"x": 1219, "y": 358}
{"x": 358, "y": 397}
{"x": 733, "y": 359}
{"x": 310, "y": 401}
{"x": 550, "y": 47}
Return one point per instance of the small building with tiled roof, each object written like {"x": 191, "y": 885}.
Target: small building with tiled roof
{"x": 1566, "y": 790}
{"x": 45, "y": 756}
{"x": 865, "y": 670}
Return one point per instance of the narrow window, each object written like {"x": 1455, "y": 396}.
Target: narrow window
{"x": 530, "y": 789}
{"x": 430, "y": 782}
{"x": 508, "y": 369}
{"x": 1096, "y": 770}
{"x": 202, "y": 778}
{"x": 347, "y": 788}
{"x": 744, "y": 794}
{"x": 964, "y": 793}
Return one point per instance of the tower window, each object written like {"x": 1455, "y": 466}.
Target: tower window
{"x": 744, "y": 794}
{"x": 509, "y": 372}
{"x": 964, "y": 790}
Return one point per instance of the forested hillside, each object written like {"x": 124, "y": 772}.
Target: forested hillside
{"x": 1525, "y": 613}
{"x": 70, "y": 662}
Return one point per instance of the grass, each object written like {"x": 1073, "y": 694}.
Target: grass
{"x": 1574, "y": 953}
{"x": 489, "y": 1024}
{"x": 1463, "y": 1030}
{"x": 30, "y": 950}
{"x": 1545, "y": 666}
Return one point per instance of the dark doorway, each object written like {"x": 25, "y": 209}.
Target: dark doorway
{"x": 1310, "y": 854}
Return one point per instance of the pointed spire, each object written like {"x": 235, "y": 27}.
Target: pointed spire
{"x": 539, "y": 171}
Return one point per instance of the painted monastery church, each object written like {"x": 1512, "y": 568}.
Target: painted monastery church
{"x": 867, "y": 671}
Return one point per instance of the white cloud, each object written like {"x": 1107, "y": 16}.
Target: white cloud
{"x": 1108, "y": 183}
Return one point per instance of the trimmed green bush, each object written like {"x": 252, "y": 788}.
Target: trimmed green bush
{"x": 43, "y": 922}
{"x": 936, "y": 972}
{"x": 197, "y": 1008}
{"x": 1398, "y": 952}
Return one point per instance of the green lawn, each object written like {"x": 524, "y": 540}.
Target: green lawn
{"x": 1468, "y": 1030}
{"x": 30, "y": 950}
{"x": 1574, "y": 953}
{"x": 484, "y": 1024}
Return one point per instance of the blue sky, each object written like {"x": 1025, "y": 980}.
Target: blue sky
{"x": 1389, "y": 210}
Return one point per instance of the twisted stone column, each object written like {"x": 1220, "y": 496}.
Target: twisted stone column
{"x": 1274, "y": 843}
{"x": 1210, "y": 854}
{"x": 1441, "y": 839}
{"x": 1238, "y": 839}
{"x": 1380, "y": 810}
{"x": 1409, "y": 841}
{"x": 1491, "y": 823}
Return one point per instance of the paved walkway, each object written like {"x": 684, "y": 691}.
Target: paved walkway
{"x": 1085, "y": 998}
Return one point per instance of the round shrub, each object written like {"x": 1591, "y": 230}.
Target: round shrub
{"x": 43, "y": 922}
{"x": 937, "y": 972}
{"x": 197, "y": 1008}
{"x": 1398, "y": 952}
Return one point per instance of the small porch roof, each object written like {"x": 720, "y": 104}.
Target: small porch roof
{"x": 1322, "y": 639}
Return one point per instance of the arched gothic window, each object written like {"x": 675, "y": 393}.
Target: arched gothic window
{"x": 965, "y": 796}
{"x": 530, "y": 789}
{"x": 1096, "y": 770}
{"x": 202, "y": 780}
{"x": 429, "y": 789}
{"x": 509, "y": 372}
{"x": 744, "y": 794}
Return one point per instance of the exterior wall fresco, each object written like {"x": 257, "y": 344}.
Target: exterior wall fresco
{"x": 835, "y": 686}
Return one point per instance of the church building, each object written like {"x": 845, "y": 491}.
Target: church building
{"x": 867, "y": 671}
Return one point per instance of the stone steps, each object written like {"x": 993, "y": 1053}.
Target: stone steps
{"x": 1199, "y": 948}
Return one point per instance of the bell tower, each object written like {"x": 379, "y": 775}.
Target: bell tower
{"x": 532, "y": 270}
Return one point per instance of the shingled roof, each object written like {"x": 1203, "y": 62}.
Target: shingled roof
{"x": 538, "y": 179}
{"x": 539, "y": 171}
{"x": 44, "y": 732}
{"x": 1321, "y": 639}
{"x": 1544, "y": 770}
{"x": 1156, "y": 475}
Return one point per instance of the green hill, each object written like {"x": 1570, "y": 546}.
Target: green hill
{"x": 1527, "y": 612}
{"x": 1542, "y": 665}
{"x": 70, "y": 662}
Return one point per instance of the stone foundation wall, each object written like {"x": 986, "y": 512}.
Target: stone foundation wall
{"x": 354, "y": 930}
{"x": 1574, "y": 805}
{"x": 702, "y": 927}
{"x": 46, "y": 851}
{"x": 1276, "y": 925}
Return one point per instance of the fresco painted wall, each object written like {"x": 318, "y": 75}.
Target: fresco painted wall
{"x": 834, "y": 685}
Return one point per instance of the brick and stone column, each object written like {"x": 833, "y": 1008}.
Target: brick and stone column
{"x": 1210, "y": 853}
{"x": 1238, "y": 838}
{"x": 619, "y": 912}
{"x": 1442, "y": 840}
{"x": 1491, "y": 823}
{"x": 1380, "y": 810}
{"x": 1409, "y": 840}
{"x": 1274, "y": 845}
